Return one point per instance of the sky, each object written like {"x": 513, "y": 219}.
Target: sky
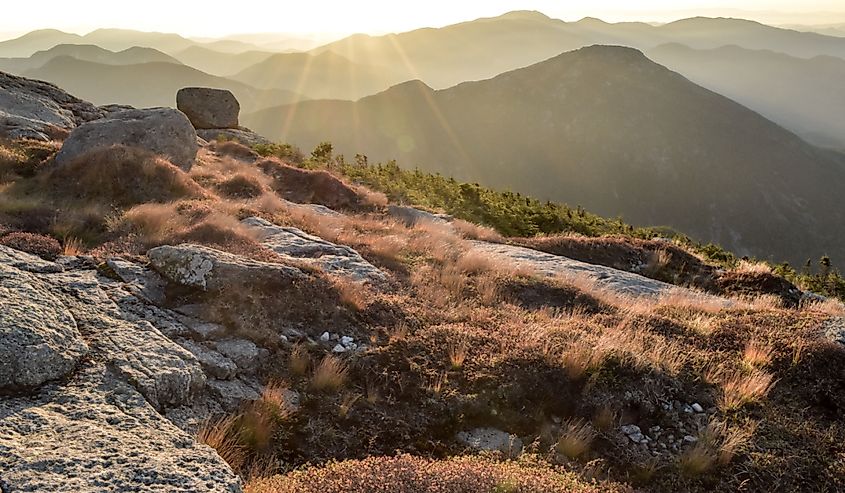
{"x": 212, "y": 18}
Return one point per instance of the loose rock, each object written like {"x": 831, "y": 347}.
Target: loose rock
{"x": 209, "y": 108}
{"x": 491, "y": 439}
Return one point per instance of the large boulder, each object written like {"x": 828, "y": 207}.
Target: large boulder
{"x": 163, "y": 131}
{"x": 32, "y": 109}
{"x": 209, "y": 108}
{"x": 39, "y": 340}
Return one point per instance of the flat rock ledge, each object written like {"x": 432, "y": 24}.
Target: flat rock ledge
{"x": 214, "y": 270}
{"x": 617, "y": 282}
{"x": 332, "y": 258}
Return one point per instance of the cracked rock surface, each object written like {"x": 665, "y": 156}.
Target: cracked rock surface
{"x": 86, "y": 378}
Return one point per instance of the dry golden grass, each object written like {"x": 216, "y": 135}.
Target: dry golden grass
{"x": 72, "y": 247}
{"x": 353, "y": 295}
{"x": 234, "y": 149}
{"x": 212, "y": 224}
{"x": 241, "y": 186}
{"x": 222, "y": 436}
{"x": 741, "y": 389}
{"x": 435, "y": 240}
{"x": 119, "y": 176}
{"x": 11, "y": 161}
{"x": 437, "y": 383}
{"x": 576, "y": 439}
{"x": 299, "y": 360}
{"x": 330, "y": 375}
{"x": 373, "y": 394}
{"x": 475, "y": 262}
{"x": 697, "y": 460}
{"x": 274, "y": 401}
{"x": 398, "y": 332}
{"x": 756, "y": 355}
{"x": 829, "y": 306}
{"x": 701, "y": 323}
{"x": 578, "y": 359}
{"x": 372, "y": 198}
{"x": 753, "y": 268}
{"x": 764, "y": 302}
{"x": 487, "y": 286}
{"x": 717, "y": 444}
{"x": 468, "y": 230}
{"x": 388, "y": 247}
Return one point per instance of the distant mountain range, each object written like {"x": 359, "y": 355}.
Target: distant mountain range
{"x": 221, "y": 64}
{"x": 87, "y": 53}
{"x": 700, "y": 145}
{"x": 147, "y": 84}
{"x": 483, "y": 48}
{"x": 114, "y": 40}
{"x": 805, "y": 95}
{"x": 609, "y": 129}
{"x": 324, "y": 75}
{"x": 777, "y": 72}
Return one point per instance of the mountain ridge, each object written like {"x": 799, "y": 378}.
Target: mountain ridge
{"x": 569, "y": 136}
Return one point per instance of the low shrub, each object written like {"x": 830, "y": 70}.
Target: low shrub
{"x": 408, "y": 474}
{"x": 43, "y": 246}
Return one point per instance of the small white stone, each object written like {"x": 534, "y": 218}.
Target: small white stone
{"x": 325, "y": 337}
{"x": 690, "y": 439}
{"x": 339, "y": 349}
{"x": 283, "y": 338}
{"x": 346, "y": 340}
{"x": 697, "y": 408}
{"x": 687, "y": 409}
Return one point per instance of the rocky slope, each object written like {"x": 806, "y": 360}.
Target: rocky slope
{"x": 605, "y": 128}
{"x": 32, "y": 109}
{"x": 203, "y": 307}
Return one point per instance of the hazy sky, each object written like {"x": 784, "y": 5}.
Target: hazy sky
{"x": 214, "y": 17}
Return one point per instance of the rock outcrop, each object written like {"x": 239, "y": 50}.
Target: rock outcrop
{"x": 242, "y": 135}
{"x": 39, "y": 340}
{"x": 616, "y": 282}
{"x": 209, "y": 108}
{"x": 32, "y": 109}
{"x": 296, "y": 244}
{"x": 410, "y": 216}
{"x": 88, "y": 378}
{"x": 491, "y": 440}
{"x": 97, "y": 433}
{"x": 214, "y": 270}
{"x": 163, "y": 131}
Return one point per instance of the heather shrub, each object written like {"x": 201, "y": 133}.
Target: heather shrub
{"x": 43, "y": 246}
{"x": 408, "y": 474}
